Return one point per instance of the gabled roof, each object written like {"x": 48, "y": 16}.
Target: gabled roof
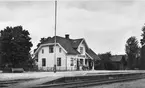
{"x": 75, "y": 42}
{"x": 92, "y": 54}
{"x": 65, "y": 43}
{"x": 69, "y": 45}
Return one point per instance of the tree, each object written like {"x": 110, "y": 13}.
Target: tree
{"x": 15, "y": 46}
{"x": 142, "y": 41}
{"x": 42, "y": 40}
{"x": 105, "y": 60}
{"x": 142, "y": 50}
{"x": 131, "y": 49}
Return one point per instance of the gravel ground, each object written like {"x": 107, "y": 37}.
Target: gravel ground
{"x": 27, "y": 75}
{"x": 48, "y": 76}
{"x": 132, "y": 84}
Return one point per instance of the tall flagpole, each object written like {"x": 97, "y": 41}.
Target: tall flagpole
{"x": 55, "y": 37}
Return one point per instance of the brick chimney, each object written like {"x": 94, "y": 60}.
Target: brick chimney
{"x": 67, "y": 36}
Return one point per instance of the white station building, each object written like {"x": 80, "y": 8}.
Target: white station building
{"x": 71, "y": 54}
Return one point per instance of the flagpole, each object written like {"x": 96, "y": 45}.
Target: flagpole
{"x": 55, "y": 37}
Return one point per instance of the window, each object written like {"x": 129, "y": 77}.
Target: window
{"x": 50, "y": 49}
{"x": 58, "y": 61}
{"x": 60, "y": 50}
{"x": 86, "y": 60}
{"x": 81, "y": 61}
{"x": 81, "y": 50}
{"x": 42, "y": 51}
{"x": 71, "y": 62}
{"x": 43, "y": 62}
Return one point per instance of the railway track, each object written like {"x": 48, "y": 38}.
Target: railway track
{"x": 11, "y": 82}
{"x": 91, "y": 82}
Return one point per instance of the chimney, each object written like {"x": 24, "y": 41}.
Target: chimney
{"x": 67, "y": 36}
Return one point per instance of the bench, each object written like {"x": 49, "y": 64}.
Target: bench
{"x": 17, "y": 70}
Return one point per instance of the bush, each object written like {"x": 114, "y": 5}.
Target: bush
{"x": 7, "y": 70}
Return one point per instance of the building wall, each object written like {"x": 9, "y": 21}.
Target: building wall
{"x": 84, "y": 49}
{"x": 75, "y": 63}
{"x": 50, "y": 58}
{"x": 74, "y": 66}
{"x": 66, "y": 59}
{"x": 83, "y": 55}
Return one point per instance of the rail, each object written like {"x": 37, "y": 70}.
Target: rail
{"x": 78, "y": 82}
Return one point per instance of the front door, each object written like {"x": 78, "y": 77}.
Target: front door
{"x": 78, "y": 67}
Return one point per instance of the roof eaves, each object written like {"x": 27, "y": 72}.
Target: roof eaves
{"x": 89, "y": 56}
{"x": 62, "y": 47}
{"x": 94, "y": 54}
{"x": 81, "y": 41}
{"x": 47, "y": 45}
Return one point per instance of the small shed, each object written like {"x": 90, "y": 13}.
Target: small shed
{"x": 119, "y": 62}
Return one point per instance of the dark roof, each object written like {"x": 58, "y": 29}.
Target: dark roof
{"x": 68, "y": 44}
{"x": 75, "y": 42}
{"x": 92, "y": 54}
{"x": 116, "y": 58}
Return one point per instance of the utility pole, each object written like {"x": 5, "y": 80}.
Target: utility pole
{"x": 55, "y": 37}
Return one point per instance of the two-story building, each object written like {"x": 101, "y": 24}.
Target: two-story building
{"x": 71, "y": 54}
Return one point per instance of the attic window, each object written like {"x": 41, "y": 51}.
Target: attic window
{"x": 81, "y": 50}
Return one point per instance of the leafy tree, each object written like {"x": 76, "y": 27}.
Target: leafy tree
{"x": 15, "y": 46}
{"x": 42, "y": 40}
{"x": 131, "y": 49}
{"x": 31, "y": 65}
{"x": 142, "y": 50}
{"x": 105, "y": 60}
{"x": 142, "y": 41}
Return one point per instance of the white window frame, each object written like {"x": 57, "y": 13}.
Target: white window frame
{"x": 59, "y": 61}
{"x": 81, "y": 50}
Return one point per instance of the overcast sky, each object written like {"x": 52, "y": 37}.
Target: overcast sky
{"x": 105, "y": 24}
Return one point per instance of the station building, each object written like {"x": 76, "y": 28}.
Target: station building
{"x": 71, "y": 54}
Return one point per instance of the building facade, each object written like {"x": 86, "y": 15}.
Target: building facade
{"x": 119, "y": 62}
{"x": 71, "y": 54}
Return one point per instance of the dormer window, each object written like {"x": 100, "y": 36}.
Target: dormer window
{"x": 81, "y": 50}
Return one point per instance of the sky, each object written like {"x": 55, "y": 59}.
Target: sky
{"x": 104, "y": 24}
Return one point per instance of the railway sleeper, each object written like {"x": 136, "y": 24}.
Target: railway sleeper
{"x": 82, "y": 83}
